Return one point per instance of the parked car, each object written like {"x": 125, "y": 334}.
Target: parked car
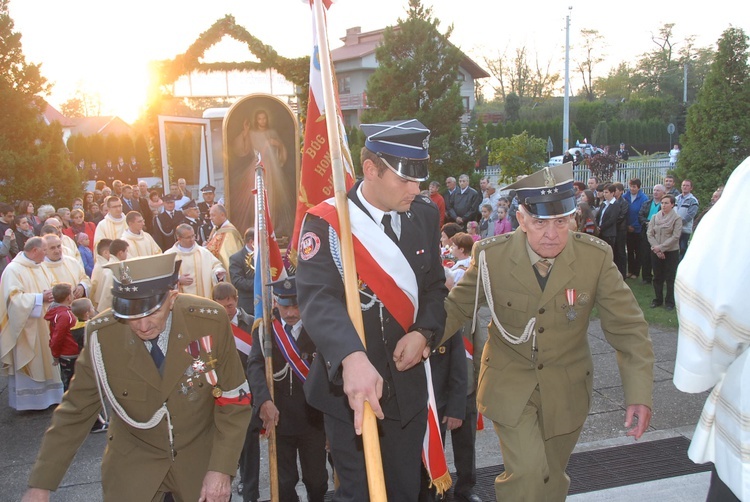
{"x": 583, "y": 148}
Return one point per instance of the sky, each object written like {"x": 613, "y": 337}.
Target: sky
{"x": 103, "y": 47}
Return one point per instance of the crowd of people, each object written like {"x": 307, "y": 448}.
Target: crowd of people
{"x": 132, "y": 266}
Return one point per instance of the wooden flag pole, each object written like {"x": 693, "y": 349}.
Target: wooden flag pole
{"x": 370, "y": 439}
{"x": 266, "y": 335}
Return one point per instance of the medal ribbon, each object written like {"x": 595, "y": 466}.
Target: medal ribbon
{"x": 570, "y": 295}
{"x": 194, "y": 349}
{"x": 290, "y": 351}
{"x": 207, "y": 343}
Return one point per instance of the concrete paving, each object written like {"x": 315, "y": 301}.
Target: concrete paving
{"x": 675, "y": 414}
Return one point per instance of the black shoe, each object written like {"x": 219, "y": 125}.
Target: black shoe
{"x": 669, "y": 308}
{"x": 646, "y": 281}
{"x": 655, "y": 304}
{"x": 466, "y": 497}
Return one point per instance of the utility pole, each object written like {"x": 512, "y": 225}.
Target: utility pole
{"x": 566, "y": 99}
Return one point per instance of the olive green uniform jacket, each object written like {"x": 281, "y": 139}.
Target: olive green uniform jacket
{"x": 136, "y": 461}
{"x": 563, "y": 367}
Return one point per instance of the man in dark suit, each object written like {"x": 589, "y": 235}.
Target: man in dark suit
{"x": 129, "y": 201}
{"x": 242, "y": 271}
{"x": 193, "y": 218}
{"x": 299, "y": 426}
{"x": 402, "y": 292}
{"x": 242, "y": 326}
{"x": 166, "y": 222}
{"x": 449, "y": 382}
{"x": 209, "y": 193}
{"x": 168, "y": 365}
{"x": 450, "y": 190}
{"x": 466, "y": 200}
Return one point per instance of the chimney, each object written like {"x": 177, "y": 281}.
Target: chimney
{"x": 352, "y": 35}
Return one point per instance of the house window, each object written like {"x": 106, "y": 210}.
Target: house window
{"x": 461, "y": 77}
{"x": 345, "y": 85}
{"x": 466, "y": 104}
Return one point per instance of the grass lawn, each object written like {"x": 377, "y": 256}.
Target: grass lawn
{"x": 644, "y": 293}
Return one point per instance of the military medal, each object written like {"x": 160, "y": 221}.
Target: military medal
{"x": 217, "y": 392}
{"x": 194, "y": 349}
{"x": 570, "y": 295}
{"x": 207, "y": 343}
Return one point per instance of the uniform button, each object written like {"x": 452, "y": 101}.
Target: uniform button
{"x": 541, "y": 310}
{"x": 125, "y": 393}
{"x": 486, "y": 359}
{"x": 200, "y": 384}
{"x": 191, "y": 309}
{"x": 541, "y": 330}
{"x": 541, "y": 366}
{"x": 588, "y": 373}
{"x": 329, "y": 364}
{"x": 110, "y": 437}
{"x": 509, "y": 304}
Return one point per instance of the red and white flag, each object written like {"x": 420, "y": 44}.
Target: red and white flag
{"x": 316, "y": 175}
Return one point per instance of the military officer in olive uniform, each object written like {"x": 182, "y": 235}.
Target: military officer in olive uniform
{"x": 168, "y": 366}
{"x": 299, "y": 426}
{"x": 397, "y": 249}
{"x": 541, "y": 283}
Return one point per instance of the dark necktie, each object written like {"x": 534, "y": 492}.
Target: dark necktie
{"x": 171, "y": 214}
{"x": 388, "y": 228}
{"x": 156, "y": 354}
{"x": 288, "y": 329}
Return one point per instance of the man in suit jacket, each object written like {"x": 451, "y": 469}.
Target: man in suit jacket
{"x": 465, "y": 206}
{"x": 541, "y": 284}
{"x": 402, "y": 293}
{"x": 166, "y": 222}
{"x": 168, "y": 366}
{"x": 242, "y": 271}
{"x": 242, "y": 326}
{"x": 130, "y": 202}
{"x": 299, "y": 426}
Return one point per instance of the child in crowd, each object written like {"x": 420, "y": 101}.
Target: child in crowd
{"x": 87, "y": 256}
{"x": 61, "y": 320}
{"x": 472, "y": 228}
{"x": 461, "y": 246}
{"x": 486, "y": 225}
{"x": 502, "y": 225}
{"x": 83, "y": 310}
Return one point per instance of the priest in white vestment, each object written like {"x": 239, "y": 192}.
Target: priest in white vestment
{"x": 140, "y": 243}
{"x": 714, "y": 339}
{"x": 200, "y": 270}
{"x": 113, "y": 224}
{"x": 70, "y": 248}
{"x": 64, "y": 268}
{"x": 33, "y": 382}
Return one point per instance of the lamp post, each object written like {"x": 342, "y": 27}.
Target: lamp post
{"x": 566, "y": 99}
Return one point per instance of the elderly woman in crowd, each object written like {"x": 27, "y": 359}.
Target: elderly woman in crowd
{"x": 664, "y": 231}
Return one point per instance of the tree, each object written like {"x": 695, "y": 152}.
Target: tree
{"x": 513, "y": 107}
{"x": 519, "y": 154}
{"x": 516, "y": 75}
{"x": 33, "y": 162}
{"x": 417, "y": 78}
{"x": 717, "y": 138}
{"x": 592, "y": 39}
